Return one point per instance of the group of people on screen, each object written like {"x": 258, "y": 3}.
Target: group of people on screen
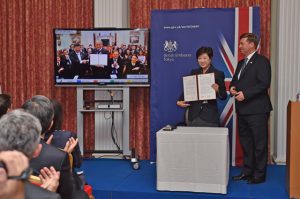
{"x": 249, "y": 86}
{"x": 37, "y": 158}
{"x": 121, "y": 61}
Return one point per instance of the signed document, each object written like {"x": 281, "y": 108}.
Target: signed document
{"x": 205, "y": 82}
{"x": 190, "y": 88}
{"x": 98, "y": 59}
{"x": 199, "y": 87}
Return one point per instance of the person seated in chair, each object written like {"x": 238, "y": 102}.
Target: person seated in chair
{"x": 60, "y": 137}
{"x": 21, "y": 131}
{"x": 115, "y": 65}
{"x": 41, "y": 107}
{"x": 5, "y": 103}
{"x": 133, "y": 67}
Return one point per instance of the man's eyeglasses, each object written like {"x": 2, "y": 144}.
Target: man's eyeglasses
{"x": 23, "y": 176}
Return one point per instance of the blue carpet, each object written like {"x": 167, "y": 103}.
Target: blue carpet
{"x": 115, "y": 179}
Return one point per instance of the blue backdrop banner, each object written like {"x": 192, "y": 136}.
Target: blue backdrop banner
{"x": 175, "y": 37}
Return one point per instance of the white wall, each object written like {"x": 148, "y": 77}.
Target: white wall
{"x": 287, "y": 68}
{"x": 111, "y": 13}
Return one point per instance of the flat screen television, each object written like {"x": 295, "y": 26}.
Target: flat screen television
{"x": 101, "y": 57}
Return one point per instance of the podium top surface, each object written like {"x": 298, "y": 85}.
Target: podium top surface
{"x": 196, "y": 130}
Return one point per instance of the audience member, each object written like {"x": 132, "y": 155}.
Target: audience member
{"x": 21, "y": 131}
{"x": 61, "y": 137}
{"x": 13, "y": 164}
{"x": 41, "y": 107}
{"x": 115, "y": 65}
{"x": 133, "y": 67}
{"x": 5, "y": 103}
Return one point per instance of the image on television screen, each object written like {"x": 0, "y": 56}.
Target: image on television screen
{"x": 101, "y": 56}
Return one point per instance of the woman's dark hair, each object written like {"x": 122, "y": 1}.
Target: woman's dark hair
{"x": 204, "y": 49}
{"x": 5, "y": 103}
{"x": 58, "y": 115}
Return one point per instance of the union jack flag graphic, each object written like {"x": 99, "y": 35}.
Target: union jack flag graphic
{"x": 245, "y": 21}
{"x": 175, "y": 37}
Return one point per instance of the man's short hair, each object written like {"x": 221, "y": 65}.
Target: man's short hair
{"x": 19, "y": 131}
{"x": 41, "y": 107}
{"x": 5, "y": 103}
{"x": 77, "y": 44}
{"x": 250, "y": 38}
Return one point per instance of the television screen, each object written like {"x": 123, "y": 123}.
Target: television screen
{"x": 101, "y": 56}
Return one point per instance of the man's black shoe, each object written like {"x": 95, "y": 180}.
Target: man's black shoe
{"x": 256, "y": 180}
{"x": 241, "y": 177}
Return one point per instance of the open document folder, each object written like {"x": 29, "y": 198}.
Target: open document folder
{"x": 199, "y": 87}
{"x": 98, "y": 59}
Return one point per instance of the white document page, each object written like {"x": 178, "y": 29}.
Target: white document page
{"x": 205, "y": 82}
{"x": 190, "y": 88}
{"x": 98, "y": 59}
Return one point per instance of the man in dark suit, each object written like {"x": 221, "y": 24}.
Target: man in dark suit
{"x": 21, "y": 131}
{"x": 99, "y": 71}
{"x": 41, "y": 107}
{"x": 79, "y": 61}
{"x": 115, "y": 66}
{"x": 249, "y": 86}
{"x": 65, "y": 69}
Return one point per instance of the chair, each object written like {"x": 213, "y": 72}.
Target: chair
{"x": 87, "y": 188}
{"x": 35, "y": 180}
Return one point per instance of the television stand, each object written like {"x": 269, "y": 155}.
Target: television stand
{"x": 110, "y": 106}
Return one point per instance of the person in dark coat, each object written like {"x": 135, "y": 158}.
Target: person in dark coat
{"x": 204, "y": 113}
{"x": 249, "y": 86}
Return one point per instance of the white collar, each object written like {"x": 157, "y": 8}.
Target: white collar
{"x": 249, "y": 56}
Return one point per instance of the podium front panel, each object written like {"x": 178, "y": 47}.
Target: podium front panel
{"x": 193, "y": 159}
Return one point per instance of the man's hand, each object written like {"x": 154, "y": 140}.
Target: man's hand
{"x": 61, "y": 69}
{"x": 16, "y": 162}
{"x": 233, "y": 91}
{"x": 136, "y": 68}
{"x": 50, "y": 178}
{"x": 215, "y": 87}
{"x": 239, "y": 96}
{"x": 85, "y": 61}
{"x": 183, "y": 104}
{"x": 70, "y": 145}
{"x": 49, "y": 139}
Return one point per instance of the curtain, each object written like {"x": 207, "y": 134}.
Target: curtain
{"x": 140, "y": 15}
{"x": 27, "y": 53}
